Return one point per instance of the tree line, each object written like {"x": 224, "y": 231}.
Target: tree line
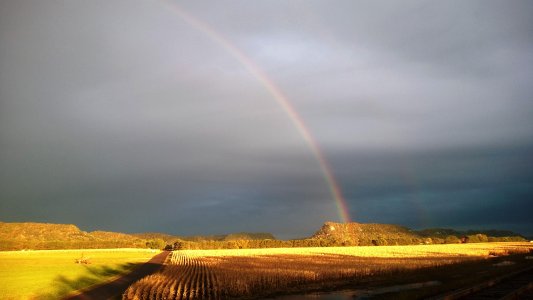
{"x": 334, "y": 242}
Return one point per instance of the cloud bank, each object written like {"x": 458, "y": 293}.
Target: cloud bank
{"x": 122, "y": 116}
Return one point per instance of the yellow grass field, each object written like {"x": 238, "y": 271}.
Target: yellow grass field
{"x": 51, "y": 274}
{"x": 441, "y": 250}
{"x": 255, "y": 273}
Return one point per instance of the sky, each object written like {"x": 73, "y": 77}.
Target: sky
{"x": 162, "y": 116}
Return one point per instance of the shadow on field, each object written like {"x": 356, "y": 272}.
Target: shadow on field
{"x": 453, "y": 276}
{"x": 93, "y": 275}
{"x": 115, "y": 288}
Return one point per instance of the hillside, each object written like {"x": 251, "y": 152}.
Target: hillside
{"x": 15, "y": 236}
{"x": 443, "y": 232}
{"x": 249, "y": 236}
{"x": 168, "y": 238}
{"x": 344, "y": 234}
{"x": 366, "y": 234}
{"x": 229, "y": 237}
{"x": 18, "y": 236}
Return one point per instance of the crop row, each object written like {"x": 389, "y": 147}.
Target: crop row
{"x": 190, "y": 277}
{"x": 214, "y": 274}
{"x": 183, "y": 277}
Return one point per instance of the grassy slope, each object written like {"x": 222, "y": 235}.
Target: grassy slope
{"x": 51, "y": 274}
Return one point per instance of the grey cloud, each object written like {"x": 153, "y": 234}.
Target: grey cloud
{"x": 124, "y": 107}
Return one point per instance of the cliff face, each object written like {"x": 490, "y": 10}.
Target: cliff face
{"x": 360, "y": 234}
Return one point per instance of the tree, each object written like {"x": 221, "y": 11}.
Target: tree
{"x": 156, "y": 244}
{"x": 452, "y": 239}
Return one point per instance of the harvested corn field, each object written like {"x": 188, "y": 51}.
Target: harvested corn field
{"x": 183, "y": 277}
{"x": 249, "y": 273}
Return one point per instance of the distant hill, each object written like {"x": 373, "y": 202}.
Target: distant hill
{"x": 249, "y": 236}
{"x": 443, "y": 232}
{"x": 387, "y": 234}
{"x": 438, "y": 232}
{"x": 15, "y": 236}
{"x": 197, "y": 238}
{"x": 168, "y": 238}
{"x": 366, "y": 234}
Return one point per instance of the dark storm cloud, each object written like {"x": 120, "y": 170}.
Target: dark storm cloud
{"x": 122, "y": 116}
{"x": 465, "y": 187}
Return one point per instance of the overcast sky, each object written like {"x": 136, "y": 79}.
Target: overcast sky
{"x": 123, "y": 116}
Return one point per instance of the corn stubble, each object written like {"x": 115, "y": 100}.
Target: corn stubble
{"x": 222, "y": 274}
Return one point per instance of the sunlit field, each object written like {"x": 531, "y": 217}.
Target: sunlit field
{"x": 446, "y": 250}
{"x": 50, "y": 274}
{"x": 219, "y": 274}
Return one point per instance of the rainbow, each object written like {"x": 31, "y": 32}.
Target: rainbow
{"x": 280, "y": 98}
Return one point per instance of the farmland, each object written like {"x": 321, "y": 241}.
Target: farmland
{"x": 249, "y": 273}
{"x": 54, "y": 273}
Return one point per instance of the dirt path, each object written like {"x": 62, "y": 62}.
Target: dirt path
{"x": 113, "y": 289}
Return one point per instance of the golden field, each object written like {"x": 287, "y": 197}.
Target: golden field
{"x": 447, "y": 250}
{"x": 249, "y": 273}
{"x": 51, "y": 274}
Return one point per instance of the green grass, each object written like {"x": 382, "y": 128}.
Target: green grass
{"x": 51, "y": 274}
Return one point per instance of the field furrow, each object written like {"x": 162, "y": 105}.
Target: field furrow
{"x": 223, "y": 274}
